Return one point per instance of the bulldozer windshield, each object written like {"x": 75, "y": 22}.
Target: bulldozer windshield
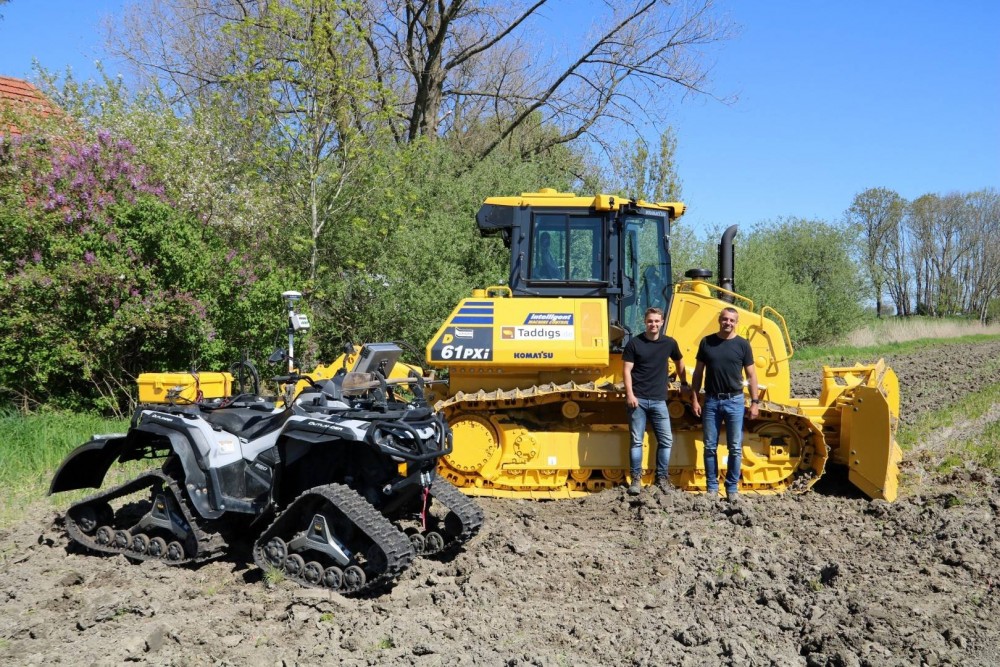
{"x": 567, "y": 248}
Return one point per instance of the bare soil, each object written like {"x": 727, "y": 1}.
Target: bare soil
{"x": 823, "y": 578}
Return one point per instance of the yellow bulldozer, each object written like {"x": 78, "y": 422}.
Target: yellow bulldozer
{"x": 535, "y": 394}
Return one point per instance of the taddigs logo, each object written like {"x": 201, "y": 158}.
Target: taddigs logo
{"x": 507, "y": 333}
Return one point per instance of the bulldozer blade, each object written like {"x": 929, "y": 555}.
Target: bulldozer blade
{"x": 873, "y": 455}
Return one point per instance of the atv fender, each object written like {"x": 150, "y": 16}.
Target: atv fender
{"x": 204, "y": 496}
{"x": 86, "y": 465}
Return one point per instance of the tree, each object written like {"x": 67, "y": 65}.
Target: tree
{"x": 936, "y": 250}
{"x": 103, "y": 279}
{"x": 292, "y": 79}
{"x": 452, "y": 67}
{"x": 414, "y": 249}
{"x": 818, "y": 256}
{"x": 878, "y": 215}
{"x": 642, "y": 175}
{"x": 461, "y": 61}
{"x": 294, "y": 67}
{"x": 206, "y": 165}
{"x": 983, "y": 210}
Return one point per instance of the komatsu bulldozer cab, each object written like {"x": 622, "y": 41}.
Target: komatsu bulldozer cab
{"x": 602, "y": 247}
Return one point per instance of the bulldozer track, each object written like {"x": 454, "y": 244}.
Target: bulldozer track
{"x": 810, "y": 468}
{"x": 396, "y": 550}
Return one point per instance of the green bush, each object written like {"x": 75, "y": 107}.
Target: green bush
{"x": 763, "y": 276}
{"x": 104, "y": 279}
{"x": 805, "y": 269}
{"x": 400, "y": 262}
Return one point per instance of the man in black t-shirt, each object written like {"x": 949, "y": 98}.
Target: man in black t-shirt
{"x": 722, "y": 360}
{"x": 645, "y": 370}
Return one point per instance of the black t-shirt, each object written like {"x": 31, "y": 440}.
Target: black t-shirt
{"x": 724, "y": 359}
{"x": 649, "y": 369}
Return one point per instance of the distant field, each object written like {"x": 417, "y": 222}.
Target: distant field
{"x": 901, "y": 330}
{"x": 896, "y": 336}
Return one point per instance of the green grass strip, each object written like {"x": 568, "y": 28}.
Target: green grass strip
{"x": 33, "y": 446}
{"x": 833, "y": 355}
{"x": 984, "y": 448}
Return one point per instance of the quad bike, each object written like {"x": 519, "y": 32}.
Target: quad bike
{"x": 336, "y": 484}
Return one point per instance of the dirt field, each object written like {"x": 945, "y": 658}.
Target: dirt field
{"x": 824, "y": 578}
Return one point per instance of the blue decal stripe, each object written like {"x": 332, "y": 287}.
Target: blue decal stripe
{"x": 479, "y": 303}
{"x": 468, "y": 319}
{"x": 476, "y": 311}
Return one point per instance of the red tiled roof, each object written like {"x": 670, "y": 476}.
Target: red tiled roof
{"x": 21, "y": 94}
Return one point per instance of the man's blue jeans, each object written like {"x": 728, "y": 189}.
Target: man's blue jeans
{"x": 714, "y": 412}
{"x": 656, "y": 412}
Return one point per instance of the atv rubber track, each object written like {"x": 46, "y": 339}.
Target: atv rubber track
{"x": 464, "y": 509}
{"x": 396, "y": 547}
{"x": 206, "y": 545}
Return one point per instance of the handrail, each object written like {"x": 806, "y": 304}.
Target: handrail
{"x": 784, "y": 330}
{"x": 694, "y": 284}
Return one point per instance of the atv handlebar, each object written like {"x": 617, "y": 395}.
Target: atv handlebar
{"x": 293, "y": 377}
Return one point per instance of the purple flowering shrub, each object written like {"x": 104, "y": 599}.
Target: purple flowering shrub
{"x": 104, "y": 279}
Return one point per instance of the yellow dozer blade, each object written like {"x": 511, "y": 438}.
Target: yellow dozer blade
{"x": 859, "y": 410}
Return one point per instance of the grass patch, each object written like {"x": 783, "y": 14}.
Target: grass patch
{"x": 983, "y": 448}
{"x": 904, "y": 329}
{"x": 214, "y": 589}
{"x": 898, "y": 335}
{"x": 949, "y": 463}
{"x": 273, "y": 575}
{"x": 33, "y": 446}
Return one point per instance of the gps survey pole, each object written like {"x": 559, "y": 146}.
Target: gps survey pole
{"x": 296, "y": 322}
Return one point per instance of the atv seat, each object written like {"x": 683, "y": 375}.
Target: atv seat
{"x": 247, "y": 423}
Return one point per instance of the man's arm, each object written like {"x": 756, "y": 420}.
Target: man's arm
{"x": 681, "y": 372}
{"x": 699, "y": 371}
{"x": 751, "y": 373}
{"x": 630, "y": 399}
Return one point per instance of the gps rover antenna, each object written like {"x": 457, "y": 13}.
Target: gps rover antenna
{"x": 296, "y": 322}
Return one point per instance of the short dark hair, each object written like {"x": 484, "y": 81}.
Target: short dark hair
{"x": 650, "y": 310}
{"x": 731, "y": 310}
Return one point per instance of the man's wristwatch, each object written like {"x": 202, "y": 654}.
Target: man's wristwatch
{"x": 755, "y": 400}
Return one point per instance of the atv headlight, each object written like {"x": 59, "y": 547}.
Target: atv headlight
{"x": 386, "y": 439}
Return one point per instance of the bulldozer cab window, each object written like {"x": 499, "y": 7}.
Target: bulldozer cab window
{"x": 567, "y": 248}
{"x": 646, "y": 269}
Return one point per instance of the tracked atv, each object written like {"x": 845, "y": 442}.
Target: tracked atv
{"x": 337, "y": 486}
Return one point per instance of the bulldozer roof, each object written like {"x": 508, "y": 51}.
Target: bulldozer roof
{"x": 602, "y": 202}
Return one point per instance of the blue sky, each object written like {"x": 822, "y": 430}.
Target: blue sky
{"x": 833, "y": 97}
